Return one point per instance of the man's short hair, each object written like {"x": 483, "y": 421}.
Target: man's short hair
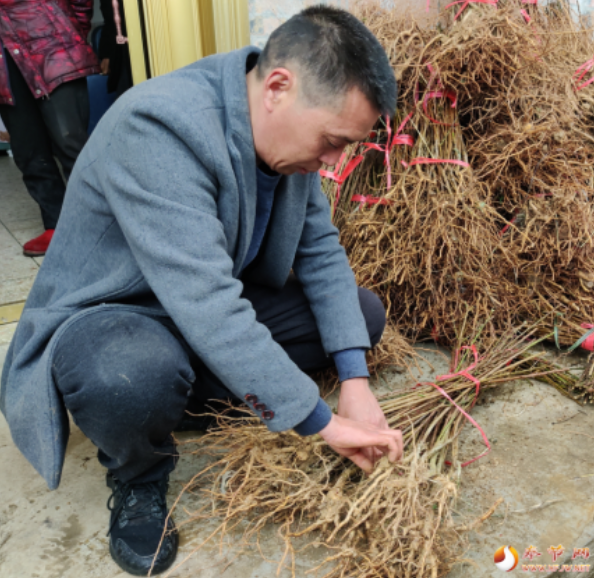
{"x": 334, "y": 52}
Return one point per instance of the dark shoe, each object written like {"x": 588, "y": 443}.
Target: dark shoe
{"x": 38, "y": 246}
{"x": 138, "y": 514}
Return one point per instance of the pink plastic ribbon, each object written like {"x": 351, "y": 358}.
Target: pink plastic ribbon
{"x": 588, "y": 344}
{"x": 341, "y": 177}
{"x": 388, "y": 147}
{"x": 404, "y": 139}
{"x": 384, "y": 149}
{"x": 449, "y": 94}
{"x": 434, "y": 76}
{"x": 430, "y": 93}
{"x": 584, "y": 69}
{"x": 365, "y": 200}
{"x": 528, "y": 19}
{"x": 511, "y": 222}
{"x": 464, "y": 373}
{"x": 465, "y": 4}
{"x": 426, "y": 161}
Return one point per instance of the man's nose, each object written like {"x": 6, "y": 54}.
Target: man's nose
{"x": 331, "y": 158}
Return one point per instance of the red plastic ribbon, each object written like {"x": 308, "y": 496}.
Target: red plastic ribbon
{"x": 511, "y": 222}
{"x": 584, "y": 68}
{"x": 435, "y": 334}
{"x": 341, "y": 177}
{"x": 364, "y": 200}
{"x": 388, "y": 147}
{"x": 434, "y": 76}
{"x": 465, "y": 4}
{"x": 350, "y": 167}
{"x": 426, "y": 161}
{"x": 451, "y": 95}
{"x": 399, "y": 139}
{"x": 440, "y": 93}
{"x": 404, "y": 139}
{"x": 465, "y": 373}
{"x": 588, "y": 344}
{"x": 385, "y": 149}
{"x": 528, "y": 19}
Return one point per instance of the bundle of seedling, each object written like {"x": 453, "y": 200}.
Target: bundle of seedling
{"x": 395, "y": 522}
{"x": 485, "y": 202}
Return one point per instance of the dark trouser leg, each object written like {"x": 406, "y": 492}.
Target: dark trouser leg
{"x": 66, "y": 116}
{"x": 32, "y": 148}
{"x": 287, "y": 315}
{"x": 125, "y": 380}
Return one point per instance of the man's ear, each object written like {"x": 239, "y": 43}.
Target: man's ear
{"x": 278, "y": 87}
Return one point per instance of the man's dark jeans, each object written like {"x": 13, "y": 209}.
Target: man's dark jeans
{"x": 40, "y": 128}
{"x": 128, "y": 378}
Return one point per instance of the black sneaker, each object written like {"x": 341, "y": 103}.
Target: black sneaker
{"x": 138, "y": 513}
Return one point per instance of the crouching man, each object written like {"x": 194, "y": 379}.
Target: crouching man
{"x": 195, "y": 259}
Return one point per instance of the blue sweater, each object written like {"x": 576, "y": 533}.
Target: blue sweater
{"x": 350, "y": 363}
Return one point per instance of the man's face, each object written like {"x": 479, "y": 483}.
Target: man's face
{"x": 298, "y": 138}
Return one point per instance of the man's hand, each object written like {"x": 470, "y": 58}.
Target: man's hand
{"x": 105, "y": 66}
{"x": 350, "y": 438}
{"x": 357, "y": 403}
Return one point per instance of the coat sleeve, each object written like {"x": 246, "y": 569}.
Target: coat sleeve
{"x": 328, "y": 281}
{"x": 83, "y": 12}
{"x": 163, "y": 194}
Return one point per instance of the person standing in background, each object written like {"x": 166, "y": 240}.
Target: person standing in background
{"x": 44, "y": 102}
{"x": 113, "y": 47}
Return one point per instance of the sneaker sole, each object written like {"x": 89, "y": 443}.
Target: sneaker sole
{"x": 157, "y": 569}
{"x": 33, "y": 253}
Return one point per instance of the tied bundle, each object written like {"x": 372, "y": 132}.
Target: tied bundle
{"x": 508, "y": 239}
{"x": 395, "y": 522}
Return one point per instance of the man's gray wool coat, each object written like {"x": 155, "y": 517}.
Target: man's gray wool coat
{"x": 163, "y": 199}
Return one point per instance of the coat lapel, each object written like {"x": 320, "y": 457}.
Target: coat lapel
{"x": 240, "y": 144}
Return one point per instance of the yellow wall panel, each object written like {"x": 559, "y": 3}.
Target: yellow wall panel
{"x": 232, "y": 25}
{"x": 179, "y": 32}
{"x": 135, "y": 42}
{"x": 207, "y": 27}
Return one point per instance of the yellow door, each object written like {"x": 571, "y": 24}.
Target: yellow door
{"x": 164, "y": 35}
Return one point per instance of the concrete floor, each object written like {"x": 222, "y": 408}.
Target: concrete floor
{"x": 542, "y": 464}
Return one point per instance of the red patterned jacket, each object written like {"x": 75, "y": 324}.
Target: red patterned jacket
{"x": 47, "y": 41}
